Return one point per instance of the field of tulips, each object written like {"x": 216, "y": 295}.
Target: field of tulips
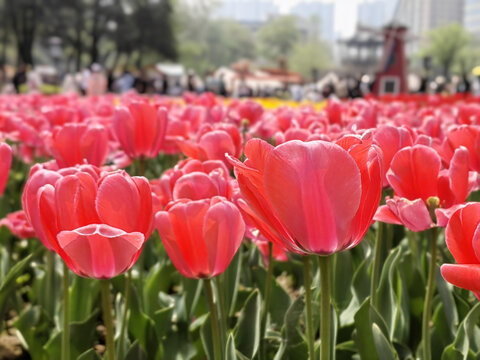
{"x": 205, "y": 228}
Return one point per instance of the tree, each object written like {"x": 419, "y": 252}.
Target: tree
{"x": 305, "y": 57}
{"x": 23, "y": 16}
{"x": 278, "y": 36}
{"x": 445, "y": 46}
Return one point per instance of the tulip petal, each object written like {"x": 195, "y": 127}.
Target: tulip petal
{"x": 460, "y": 232}
{"x": 465, "y": 276}
{"x": 414, "y": 171}
{"x": 223, "y": 232}
{"x": 100, "y": 251}
{"x": 315, "y": 188}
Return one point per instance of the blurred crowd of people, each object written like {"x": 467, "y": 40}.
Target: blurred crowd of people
{"x": 95, "y": 80}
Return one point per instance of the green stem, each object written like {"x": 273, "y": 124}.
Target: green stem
{"x": 427, "y": 307}
{"x": 325, "y": 308}
{"x": 308, "y": 306}
{"x": 107, "y": 318}
{"x": 142, "y": 165}
{"x": 128, "y": 285}
{"x": 266, "y": 302}
{"x": 376, "y": 263}
{"x": 66, "y": 314}
{"x": 217, "y": 352}
{"x": 49, "y": 285}
{"x": 223, "y": 313}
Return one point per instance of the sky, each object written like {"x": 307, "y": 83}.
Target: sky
{"x": 345, "y": 13}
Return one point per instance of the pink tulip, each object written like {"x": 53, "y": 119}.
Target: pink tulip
{"x": 87, "y": 206}
{"x": 318, "y": 209}
{"x": 416, "y": 176}
{"x": 76, "y": 143}
{"x": 201, "y": 237}
{"x": 462, "y": 236}
{"x": 5, "y": 164}
{"x": 140, "y": 129}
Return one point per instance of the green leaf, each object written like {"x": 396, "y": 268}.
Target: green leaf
{"x": 449, "y": 307}
{"x": 162, "y": 320}
{"x": 364, "y": 335}
{"x": 343, "y": 270}
{"x": 83, "y": 295}
{"x": 34, "y": 330}
{"x": 142, "y": 326}
{"x": 7, "y": 287}
{"x": 206, "y": 336}
{"x": 384, "y": 348}
{"x": 230, "y": 352}
{"x": 136, "y": 352}
{"x": 464, "y": 339}
{"x": 229, "y": 280}
{"x": 82, "y": 336}
{"x": 89, "y": 355}
{"x": 247, "y": 330}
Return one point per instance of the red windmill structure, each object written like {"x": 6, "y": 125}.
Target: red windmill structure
{"x": 391, "y": 72}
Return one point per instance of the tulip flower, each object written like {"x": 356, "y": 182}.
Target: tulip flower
{"x": 85, "y": 206}
{"x": 416, "y": 176}
{"x": 194, "y": 180}
{"x": 212, "y": 142}
{"x": 201, "y": 237}
{"x": 318, "y": 209}
{"x": 18, "y": 225}
{"x": 76, "y": 143}
{"x": 140, "y": 129}
{"x": 315, "y": 198}
{"x": 462, "y": 238}
{"x": 5, "y": 163}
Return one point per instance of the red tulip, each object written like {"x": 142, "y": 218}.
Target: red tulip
{"x": 313, "y": 197}
{"x": 140, "y": 129}
{"x": 5, "y": 163}
{"x": 101, "y": 251}
{"x": 415, "y": 175}
{"x": 391, "y": 139}
{"x": 18, "y": 225}
{"x": 194, "y": 180}
{"x": 81, "y": 201}
{"x": 462, "y": 236}
{"x": 75, "y": 143}
{"x": 213, "y": 142}
{"x": 201, "y": 237}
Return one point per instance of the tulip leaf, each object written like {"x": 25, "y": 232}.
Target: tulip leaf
{"x": 206, "y": 336}
{"x": 8, "y": 282}
{"x": 463, "y": 342}
{"x": 230, "y": 352}
{"x": 90, "y": 354}
{"x": 247, "y": 330}
{"x": 449, "y": 307}
{"x": 367, "y": 342}
{"x": 192, "y": 289}
{"x": 162, "y": 319}
{"x": 83, "y": 294}
{"x": 157, "y": 281}
{"x": 229, "y": 282}
{"x": 33, "y": 326}
{"x": 136, "y": 352}
{"x": 142, "y": 326}
{"x": 342, "y": 266}
{"x": 384, "y": 348}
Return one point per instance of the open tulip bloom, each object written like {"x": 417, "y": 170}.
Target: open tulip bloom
{"x": 312, "y": 197}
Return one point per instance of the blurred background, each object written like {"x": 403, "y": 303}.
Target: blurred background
{"x": 286, "y": 48}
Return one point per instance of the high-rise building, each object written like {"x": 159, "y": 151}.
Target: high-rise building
{"x": 372, "y": 13}
{"x": 471, "y": 18}
{"x": 247, "y": 11}
{"x": 322, "y": 12}
{"x": 423, "y": 15}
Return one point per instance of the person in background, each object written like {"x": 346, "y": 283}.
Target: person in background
{"x": 20, "y": 79}
{"x": 97, "y": 82}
